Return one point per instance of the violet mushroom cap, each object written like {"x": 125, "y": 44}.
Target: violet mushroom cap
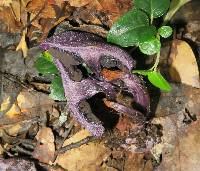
{"x": 91, "y": 48}
{"x": 78, "y": 91}
{"x": 139, "y": 92}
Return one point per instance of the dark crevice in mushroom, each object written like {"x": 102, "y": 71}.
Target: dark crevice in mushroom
{"x": 106, "y": 115}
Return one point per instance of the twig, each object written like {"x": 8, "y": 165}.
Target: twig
{"x": 28, "y": 144}
{"x": 66, "y": 133}
{"x": 21, "y": 150}
{"x": 76, "y": 144}
{"x": 14, "y": 79}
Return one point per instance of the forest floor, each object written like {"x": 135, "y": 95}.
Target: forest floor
{"x": 38, "y": 133}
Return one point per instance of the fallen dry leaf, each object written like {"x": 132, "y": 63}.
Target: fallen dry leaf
{"x": 5, "y": 2}
{"x": 180, "y": 144}
{"x": 16, "y": 9}
{"x": 45, "y": 148}
{"x": 22, "y": 44}
{"x": 45, "y": 135}
{"x": 25, "y": 104}
{"x": 13, "y": 110}
{"x": 180, "y": 147}
{"x": 29, "y": 108}
{"x": 13, "y": 14}
{"x": 14, "y": 129}
{"x": 125, "y": 125}
{"x": 115, "y": 8}
{"x": 183, "y": 64}
{"x": 47, "y": 14}
{"x": 108, "y": 11}
{"x": 79, "y": 3}
{"x": 86, "y": 157}
{"x": 47, "y": 9}
{"x": 136, "y": 162}
{"x": 1, "y": 150}
{"x": 8, "y": 18}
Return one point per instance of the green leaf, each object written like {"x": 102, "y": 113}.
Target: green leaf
{"x": 155, "y": 78}
{"x": 130, "y": 29}
{"x": 165, "y": 31}
{"x": 45, "y": 65}
{"x": 57, "y": 90}
{"x": 150, "y": 46}
{"x": 155, "y": 8}
{"x": 158, "y": 80}
{"x": 47, "y": 56}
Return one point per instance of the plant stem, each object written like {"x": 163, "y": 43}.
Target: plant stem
{"x": 151, "y": 18}
{"x": 156, "y": 62}
{"x": 154, "y": 67}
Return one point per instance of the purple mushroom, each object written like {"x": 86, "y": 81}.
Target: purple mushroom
{"x": 91, "y": 49}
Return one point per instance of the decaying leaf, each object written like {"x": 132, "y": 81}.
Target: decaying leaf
{"x": 87, "y": 157}
{"x": 35, "y": 6}
{"x": 5, "y": 106}
{"x": 13, "y": 14}
{"x": 22, "y": 44}
{"x": 45, "y": 148}
{"x": 107, "y": 11}
{"x": 7, "y": 17}
{"x": 79, "y": 3}
{"x": 24, "y": 111}
{"x": 180, "y": 145}
{"x": 125, "y": 125}
{"x": 183, "y": 64}
{"x": 136, "y": 162}
{"x": 15, "y": 17}
{"x": 16, "y": 7}
{"x": 26, "y": 101}
{"x": 5, "y": 2}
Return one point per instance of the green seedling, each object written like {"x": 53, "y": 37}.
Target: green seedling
{"x": 135, "y": 28}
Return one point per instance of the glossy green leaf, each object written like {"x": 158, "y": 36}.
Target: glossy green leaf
{"x": 130, "y": 29}
{"x": 158, "y": 80}
{"x": 154, "y": 8}
{"x": 150, "y": 46}
{"x": 57, "y": 90}
{"x": 165, "y": 31}
{"x": 155, "y": 78}
{"x": 45, "y": 65}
